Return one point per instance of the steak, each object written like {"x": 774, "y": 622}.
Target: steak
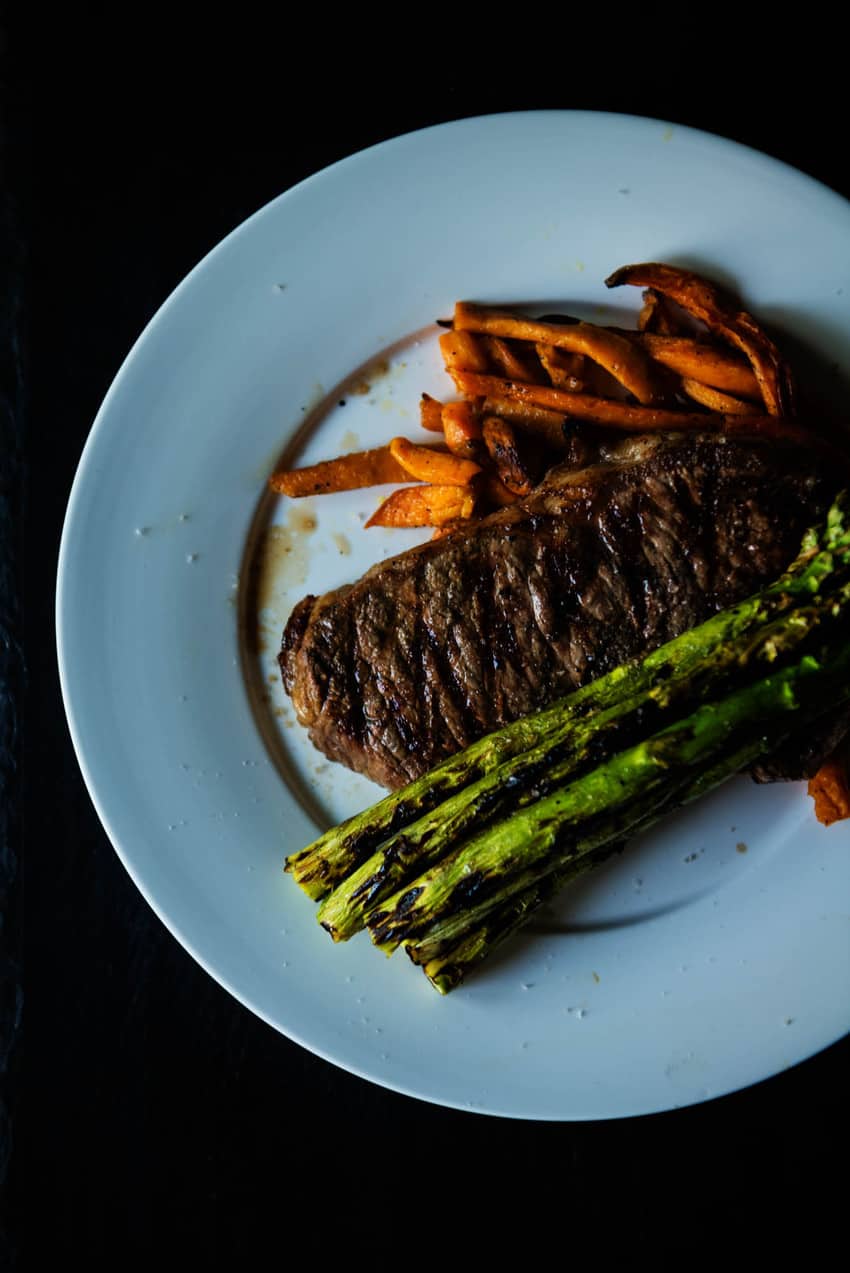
{"x": 450, "y": 640}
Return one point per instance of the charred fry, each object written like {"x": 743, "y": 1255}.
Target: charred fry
{"x": 723, "y": 314}
{"x": 494, "y": 493}
{"x": 546, "y": 425}
{"x": 506, "y": 453}
{"x": 462, "y": 430}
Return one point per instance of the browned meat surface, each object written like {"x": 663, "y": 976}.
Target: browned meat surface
{"x": 435, "y": 647}
{"x": 802, "y": 755}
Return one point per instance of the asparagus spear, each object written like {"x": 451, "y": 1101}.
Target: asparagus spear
{"x": 505, "y": 859}
{"x": 446, "y": 963}
{"x": 448, "y": 960}
{"x": 527, "y": 777}
{"x": 322, "y": 865}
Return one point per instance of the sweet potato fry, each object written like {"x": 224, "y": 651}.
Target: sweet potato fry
{"x": 620, "y": 356}
{"x": 655, "y": 315}
{"x": 584, "y": 406}
{"x": 717, "y": 401}
{"x": 440, "y": 467}
{"x": 546, "y": 425}
{"x": 424, "y": 506}
{"x": 461, "y": 350}
{"x": 493, "y": 493}
{"x": 345, "y": 473}
{"x": 462, "y": 430}
{"x": 431, "y": 414}
{"x": 702, "y": 362}
{"x": 566, "y": 371}
{"x": 723, "y": 314}
{"x": 513, "y": 362}
{"x": 506, "y": 453}
{"x": 830, "y": 789}
{"x": 770, "y": 426}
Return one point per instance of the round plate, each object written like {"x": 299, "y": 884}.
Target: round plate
{"x": 712, "y": 954}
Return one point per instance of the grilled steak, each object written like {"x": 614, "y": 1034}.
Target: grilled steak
{"x": 435, "y": 647}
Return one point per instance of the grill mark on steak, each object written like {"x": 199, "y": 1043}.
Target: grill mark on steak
{"x": 435, "y": 647}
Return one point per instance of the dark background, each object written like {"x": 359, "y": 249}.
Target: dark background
{"x": 146, "y": 1112}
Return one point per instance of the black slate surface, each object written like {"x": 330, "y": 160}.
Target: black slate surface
{"x": 146, "y": 1113}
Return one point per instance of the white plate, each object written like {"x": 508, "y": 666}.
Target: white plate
{"x": 689, "y": 968}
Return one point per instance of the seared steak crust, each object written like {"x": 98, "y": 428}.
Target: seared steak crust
{"x": 435, "y": 647}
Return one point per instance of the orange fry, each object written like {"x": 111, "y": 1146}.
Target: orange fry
{"x": 717, "y": 401}
{"x": 723, "y": 314}
{"x": 702, "y": 362}
{"x": 494, "y": 492}
{"x": 345, "y": 473}
{"x": 770, "y": 426}
{"x": 655, "y": 315}
{"x": 546, "y": 425}
{"x": 462, "y": 430}
{"x": 506, "y": 360}
{"x": 621, "y": 357}
{"x": 431, "y": 414}
{"x": 506, "y": 453}
{"x": 424, "y": 506}
{"x": 426, "y": 465}
{"x": 566, "y": 371}
{"x": 830, "y": 790}
{"x": 461, "y": 350}
{"x": 583, "y": 406}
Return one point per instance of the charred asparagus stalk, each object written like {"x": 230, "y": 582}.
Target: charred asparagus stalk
{"x": 447, "y": 961}
{"x": 505, "y": 859}
{"x": 322, "y": 865}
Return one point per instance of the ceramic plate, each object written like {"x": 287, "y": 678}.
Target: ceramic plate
{"x": 716, "y": 951}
